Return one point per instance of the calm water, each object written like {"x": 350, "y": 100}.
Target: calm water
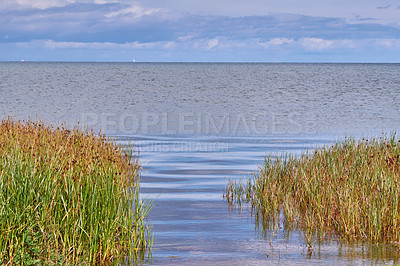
{"x": 196, "y": 125}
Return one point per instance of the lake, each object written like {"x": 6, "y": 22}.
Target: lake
{"x": 198, "y": 124}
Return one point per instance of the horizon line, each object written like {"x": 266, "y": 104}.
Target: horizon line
{"x": 201, "y": 62}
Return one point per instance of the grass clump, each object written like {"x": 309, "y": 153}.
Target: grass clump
{"x": 69, "y": 197}
{"x": 350, "y": 190}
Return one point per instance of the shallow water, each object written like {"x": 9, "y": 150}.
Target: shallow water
{"x": 191, "y": 222}
{"x": 196, "y": 125}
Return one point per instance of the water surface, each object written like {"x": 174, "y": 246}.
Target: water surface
{"x": 196, "y": 125}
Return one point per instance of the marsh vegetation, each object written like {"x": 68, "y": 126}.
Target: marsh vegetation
{"x": 69, "y": 197}
{"x": 349, "y": 191}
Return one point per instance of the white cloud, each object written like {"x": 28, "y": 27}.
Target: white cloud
{"x": 106, "y": 1}
{"x": 212, "y": 43}
{"x": 169, "y": 45}
{"x": 388, "y": 43}
{"x": 97, "y": 45}
{"x": 311, "y": 44}
{"x": 316, "y": 43}
{"x": 219, "y": 43}
{"x": 345, "y": 9}
{"x": 319, "y": 44}
{"x": 50, "y": 44}
{"x": 276, "y": 42}
{"x": 135, "y": 11}
{"x": 280, "y": 41}
{"x": 43, "y": 4}
{"x": 187, "y": 38}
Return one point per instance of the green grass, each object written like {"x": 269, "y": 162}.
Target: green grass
{"x": 68, "y": 197}
{"x": 350, "y": 191}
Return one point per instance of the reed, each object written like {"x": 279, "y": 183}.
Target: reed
{"x": 68, "y": 197}
{"x": 350, "y": 191}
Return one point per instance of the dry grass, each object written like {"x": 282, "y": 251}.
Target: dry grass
{"x": 68, "y": 197}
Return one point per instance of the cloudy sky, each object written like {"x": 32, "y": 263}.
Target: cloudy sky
{"x": 200, "y": 30}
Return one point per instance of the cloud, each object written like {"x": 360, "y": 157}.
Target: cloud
{"x": 384, "y": 7}
{"x": 316, "y": 43}
{"x": 43, "y": 4}
{"x": 120, "y": 25}
{"x": 227, "y": 50}
{"x": 186, "y": 38}
{"x": 212, "y": 43}
{"x": 342, "y": 9}
{"x": 110, "y": 21}
{"x": 276, "y": 42}
{"x": 134, "y": 11}
{"x": 106, "y": 1}
{"x": 86, "y": 22}
{"x": 388, "y": 43}
{"x": 220, "y": 43}
{"x": 51, "y": 44}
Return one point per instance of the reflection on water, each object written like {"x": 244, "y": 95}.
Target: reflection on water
{"x": 191, "y": 222}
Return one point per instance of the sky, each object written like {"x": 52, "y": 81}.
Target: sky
{"x": 200, "y": 30}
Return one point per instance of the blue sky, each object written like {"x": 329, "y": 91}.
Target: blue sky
{"x": 200, "y": 30}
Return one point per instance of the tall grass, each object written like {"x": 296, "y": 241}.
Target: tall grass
{"x": 69, "y": 197}
{"x": 350, "y": 190}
